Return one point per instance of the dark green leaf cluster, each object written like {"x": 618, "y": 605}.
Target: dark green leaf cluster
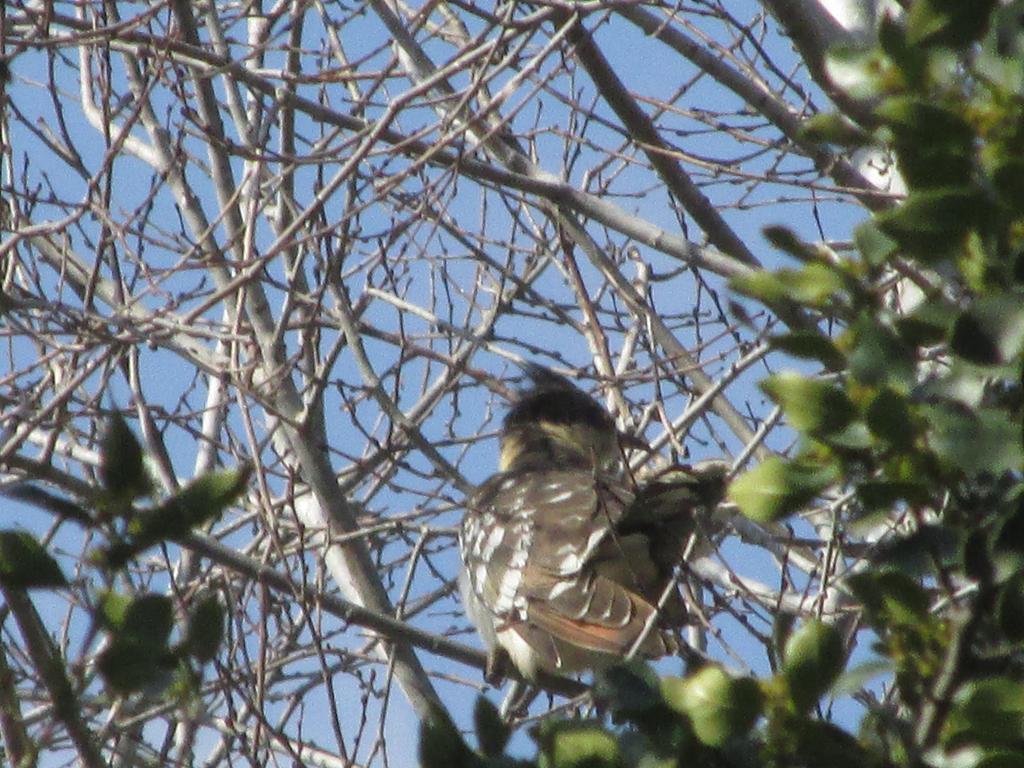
{"x": 24, "y": 564}
{"x": 704, "y": 719}
{"x": 914, "y": 405}
{"x": 919, "y": 414}
{"x": 135, "y": 530}
{"x": 138, "y": 655}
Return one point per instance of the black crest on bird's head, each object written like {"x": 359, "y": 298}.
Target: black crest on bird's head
{"x": 555, "y": 421}
{"x": 553, "y": 398}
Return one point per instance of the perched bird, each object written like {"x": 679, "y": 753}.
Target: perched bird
{"x": 565, "y": 558}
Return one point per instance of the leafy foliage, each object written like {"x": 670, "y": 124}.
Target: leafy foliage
{"x": 25, "y": 564}
{"x": 139, "y": 655}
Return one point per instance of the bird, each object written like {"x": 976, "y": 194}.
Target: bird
{"x": 566, "y": 558}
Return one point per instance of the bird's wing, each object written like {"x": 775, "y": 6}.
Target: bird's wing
{"x": 582, "y": 585}
{"x": 495, "y": 541}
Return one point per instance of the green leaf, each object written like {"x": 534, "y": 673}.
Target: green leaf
{"x": 889, "y": 418}
{"x": 113, "y": 608}
{"x": 122, "y": 466}
{"x": 812, "y": 286}
{"x": 441, "y": 744}
{"x": 1006, "y": 169}
{"x": 643, "y": 748}
{"x": 810, "y": 405}
{"x": 199, "y": 502}
{"x": 1008, "y": 547}
{"x": 720, "y": 707}
{"x": 138, "y": 656}
{"x": 776, "y": 488}
{"x": 933, "y": 166}
{"x": 885, "y": 494}
{"x": 147, "y": 619}
{"x": 890, "y": 598}
{"x": 787, "y": 241}
{"x": 1010, "y": 609}
{"x": 205, "y": 629}
{"x": 492, "y": 733}
{"x": 1006, "y": 35}
{"x": 824, "y": 744}
{"x": 150, "y": 619}
{"x": 977, "y": 561}
{"x": 877, "y": 355}
{"x": 928, "y": 324}
{"x": 989, "y": 712}
{"x": 921, "y": 551}
{"x": 852, "y": 439}
{"x": 761, "y": 285}
{"x": 185, "y": 684}
{"x": 991, "y": 332}
{"x": 629, "y": 689}
{"x": 813, "y": 659}
{"x": 1001, "y": 759}
{"x": 962, "y": 385}
{"x": 933, "y": 223}
{"x": 810, "y": 345}
{"x": 950, "y": 23}
{"x": 861, "y": 73}
{"x": 874, "y": 245}
{"x": 196, "y": 504}
{"x": 1001, "y": 59}
{"x": 934, "y": 144}
{"x": 892, "y": 38}
{"x": 577, "y": 744}
{"x": 971, "y": 342}
{"x": 24, "y": 564}
{"x": 924, "y": 118}
{"x": 980, "y": 441}
{"x": 129, "y": 667}
{"x": 833, "y": 128}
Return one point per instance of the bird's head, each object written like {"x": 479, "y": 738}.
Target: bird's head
{"x": 554, "y": 423}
